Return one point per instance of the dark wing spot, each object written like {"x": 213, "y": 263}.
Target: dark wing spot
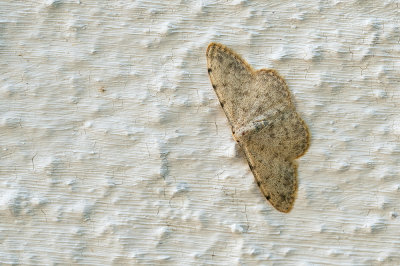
{"x": 258, "y": 183}
{"x": 209, "y": 70}
{"x": 268, "y": 197}
{"x": 214, "y": 86}
{"x": 283, "y": 197}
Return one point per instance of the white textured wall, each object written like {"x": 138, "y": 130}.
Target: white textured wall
{"x": 114, "y": 148}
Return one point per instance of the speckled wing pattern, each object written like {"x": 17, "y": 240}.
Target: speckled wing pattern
{"x": 264, "y": 122}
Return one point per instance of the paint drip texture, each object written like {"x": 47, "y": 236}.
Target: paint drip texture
{"x": 115, "y": 151}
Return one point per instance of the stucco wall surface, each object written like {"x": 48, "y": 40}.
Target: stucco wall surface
{"x": 114, "y": 148}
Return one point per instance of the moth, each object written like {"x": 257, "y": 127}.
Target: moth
{"x": 264, "y": 122}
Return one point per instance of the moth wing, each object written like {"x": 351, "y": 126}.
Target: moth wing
{"x": 270, "y": 152}
{"x": 245, "y": 95}
{"x": 294, "y": 135}
{"x": 277, "y": 179}
{"x": 270, "y": 96}
{"x": 230, "y": 76}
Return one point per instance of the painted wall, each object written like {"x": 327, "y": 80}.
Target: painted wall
{"x": 114, "y": 148}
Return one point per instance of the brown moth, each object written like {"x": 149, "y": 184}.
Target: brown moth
{"x": 264, "y": 122}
